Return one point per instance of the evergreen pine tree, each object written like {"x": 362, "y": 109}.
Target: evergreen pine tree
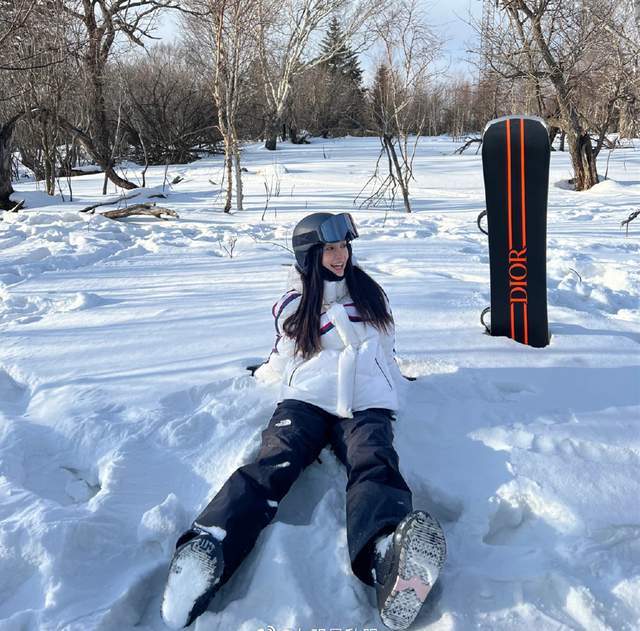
{"x": 342, "y": 59}
{"x": 332, "y": 101}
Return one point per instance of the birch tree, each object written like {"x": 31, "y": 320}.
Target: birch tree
{"x": 221, "y": 39}
{"x": 232, "y": 22}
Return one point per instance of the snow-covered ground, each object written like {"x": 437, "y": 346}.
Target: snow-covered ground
{"x": 124, "y": 403}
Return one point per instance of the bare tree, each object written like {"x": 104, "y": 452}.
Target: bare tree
{"x": 97, "y": 25}
{"x": 7, "y": 131}
{"x": 168, "y": 112}
{"x": 398, "y": 110}
{"x": 48, "y": 91}
{"x": 232, "y": 22}
{"x": 552, "y": 50}
{"x": 30, "y": 49}
{"x": 284, "y": 34}
{"x": 221, "y": 42}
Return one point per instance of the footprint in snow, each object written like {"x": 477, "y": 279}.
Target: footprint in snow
{"x": 590, "y": 297}
{"x": 14, "y": 395}
{"x": 82, "y": 485}
{"x": 16, "y": 309}
{"x": 189, "y": 431}
{"x": 503, "y": 391}
{"x": 521, "y": 518}
{"x": 445, "y": 508}
{"x": 36, "y": 458}
{"x": 508, "y": 389}
{"x": 550, "y": 442}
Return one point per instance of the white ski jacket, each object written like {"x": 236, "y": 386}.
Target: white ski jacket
{"x": 355, "y": 368}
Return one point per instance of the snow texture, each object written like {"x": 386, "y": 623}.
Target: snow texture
{"x": 125, "y": 404}
{"x": 382, "y": 544}
{"x": 215, "y": 531}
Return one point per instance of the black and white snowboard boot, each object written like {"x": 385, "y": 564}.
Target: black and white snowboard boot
{"x": 194, "y": 578}
{"x": 405, "y": 567}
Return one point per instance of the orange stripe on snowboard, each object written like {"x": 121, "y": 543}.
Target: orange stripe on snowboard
{"x": 524, "y": 203}
{"x": 509, "y": 181}
{"x": 524, "y": 221}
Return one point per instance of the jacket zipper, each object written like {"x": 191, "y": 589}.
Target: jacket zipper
{"x": 293, "y": 372}
{"x": 385, "y": 376}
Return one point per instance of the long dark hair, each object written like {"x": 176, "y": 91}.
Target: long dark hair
{"x": 367, "y": 296}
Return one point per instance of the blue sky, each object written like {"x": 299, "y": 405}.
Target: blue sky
{"x": 448, "y": 17}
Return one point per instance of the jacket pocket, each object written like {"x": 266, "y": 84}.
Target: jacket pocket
{"x": 384, "y": 374}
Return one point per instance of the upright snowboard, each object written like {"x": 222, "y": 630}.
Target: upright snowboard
{"x": 515, "y": 161}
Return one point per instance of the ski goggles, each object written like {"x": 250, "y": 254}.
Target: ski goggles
{"x": 340, "y": 227}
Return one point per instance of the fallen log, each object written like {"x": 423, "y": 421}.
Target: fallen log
{"x": 141, "y": 209}
{"x": 470, "y": 141}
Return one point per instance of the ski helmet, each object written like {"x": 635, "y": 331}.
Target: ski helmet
{"x": 321, "y": 228}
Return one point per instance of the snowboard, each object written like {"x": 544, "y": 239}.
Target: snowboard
{"x": 515, "y": 164}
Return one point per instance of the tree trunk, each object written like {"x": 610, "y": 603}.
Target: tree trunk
{"x": 273, "y": 128}
{"x": 584, "y": 162}
{"x": 111, "y": 174}
{"x": 582, "y": 158}
{"x": 271, "y": 142}
{"x": 236, "y": 155}
{"x": 585, "y": 174}
{"x": 6, "y": 150}
{"x": 99, "y": 153}
{"x": 50, "y": 174}
{"x": 96, "y": 140}
{"x": 393, "y": 157}
{"x": 228, "y": 163}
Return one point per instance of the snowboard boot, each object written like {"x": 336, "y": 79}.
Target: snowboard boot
{"x": 194, "y": 578}
{"x": 407, "y": 569}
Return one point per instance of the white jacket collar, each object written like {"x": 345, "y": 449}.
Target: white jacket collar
{"x": 334, "y": 291}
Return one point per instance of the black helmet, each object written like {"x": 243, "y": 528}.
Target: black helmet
{"x": 321, "y": 228}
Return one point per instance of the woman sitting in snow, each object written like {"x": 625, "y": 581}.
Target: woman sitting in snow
{"x": 334, "y": 356}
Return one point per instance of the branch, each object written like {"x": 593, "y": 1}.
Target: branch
{"x": 629, "y": 219}
{"x": 461, "y": 150}
{"x": 17, "y": 207}
{"x": 109, "y": 202}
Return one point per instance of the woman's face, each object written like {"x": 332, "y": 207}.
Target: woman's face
{"x": 335, "y": 257}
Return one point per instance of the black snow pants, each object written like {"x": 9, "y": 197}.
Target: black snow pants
{"x": 377, "y": 496}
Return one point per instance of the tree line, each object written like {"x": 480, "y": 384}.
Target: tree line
{"x": 85, "y": 81}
